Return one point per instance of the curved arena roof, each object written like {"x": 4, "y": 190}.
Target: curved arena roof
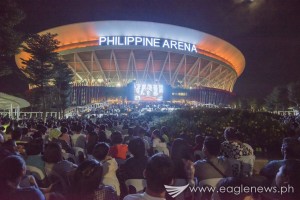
{"x": 217, "y": 64}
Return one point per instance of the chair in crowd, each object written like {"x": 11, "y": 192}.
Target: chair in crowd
{"x": 199, "y": 155}
{"x": 120, "y": 161}
{"x": 247, "y": 164}
{"x": 135, "y": 185}
{"x": 78, "y": 150}
{"x": 210, "y": 182}
{"x": 60, "y": 184}
{"x": 235, "y": 166}
{"x": 208, "y": 186}
{"x": 181, "y": 182}
{"x": 163, "y": 150}
{"x": 258, "y": 165}
{"x": 70, "y": 157}
{"x": 36, "y": 172}
{"x": 79, "y": 154}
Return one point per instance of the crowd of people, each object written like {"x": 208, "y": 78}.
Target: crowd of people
{"x": 123, "y": 157}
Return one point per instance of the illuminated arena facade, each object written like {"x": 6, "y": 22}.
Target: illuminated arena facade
{"x": 107, "y": 56}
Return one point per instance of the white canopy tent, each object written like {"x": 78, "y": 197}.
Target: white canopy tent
{"x": 12, "y": 104}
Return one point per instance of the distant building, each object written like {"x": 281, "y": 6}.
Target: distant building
{"x": 106, "y": 56}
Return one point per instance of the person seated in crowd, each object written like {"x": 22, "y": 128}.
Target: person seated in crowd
{"x": 34, "y": 154}
{"x": 247, "y": 161}
{"x": 197, "y": 149}
{"x": 180, "y": 151}
{"x": 290, "y": 149}
{"x": 92, "y": 140}
{"x": 123, "y": 124}
{"x": 287, "y": 178}
{"x": 158, "y": 173}
{"x": 164, "y": 134}
{"x": 107, "y": 132}
{"x": 11, "y": 146}
{"x": 236, "y": 193}
{"x": 25, "y": 136}
{"x": 56, "y": 136}
{"x": 78, "y": 138}
{"x": 214, "y": 166}
{"x": 134, "y": 166}
{"x": 241, "y": 138}
{"x": 102, "y": 137}
{"x": 2, "y": 139}
{"x": 129, "y": 136}
{"x": 65, "y": 135}
{"x": 16, "y": 135}
{"x": 118, "y": 150}
{"x": 147, "y": 140}
{"x": 40, "y": 132}
{"x": 31, "y": 128}
{"x": 110, "y": 165}
{"x": 55, "y": 166}
{"x": 86, "y": 183}
{"x": 184, "y": 135}
{"x": 12, "y": 169}
{"x": 233, "y": 147}
{"x": 158, "y": 143}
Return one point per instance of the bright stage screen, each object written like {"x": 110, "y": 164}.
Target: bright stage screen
{"x": 148, "y": 92}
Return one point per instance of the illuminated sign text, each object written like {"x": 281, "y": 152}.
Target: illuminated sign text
{"x": 146, "y": 42}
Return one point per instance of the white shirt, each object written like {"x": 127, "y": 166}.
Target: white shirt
{"x": 142, "y": 196}
{"x": 109, "y": 174}
{"x": 76, "y": 137}
{"x": 157, "y": 143}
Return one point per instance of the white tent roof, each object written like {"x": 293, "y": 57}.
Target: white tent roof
{"x": 6, "y": 101}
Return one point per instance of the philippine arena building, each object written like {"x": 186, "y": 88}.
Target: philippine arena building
{"x": 146, "y": 61}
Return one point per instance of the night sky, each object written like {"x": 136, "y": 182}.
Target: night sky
{"x": 267, "y": 32}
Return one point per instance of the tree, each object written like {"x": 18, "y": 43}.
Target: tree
{"x": 62, "y": 82}
{"x": 10, "y": 39}
{"x": 270, "y": 105}
{"x": 40, "y": 67}
{"x": 294, "y": 94}
{"x": 278, "y": 99}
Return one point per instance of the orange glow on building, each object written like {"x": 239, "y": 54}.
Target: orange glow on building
{"x": 80, "y": 46}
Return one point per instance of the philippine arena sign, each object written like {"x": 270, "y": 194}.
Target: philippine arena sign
{"x": 146, "y": 42}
